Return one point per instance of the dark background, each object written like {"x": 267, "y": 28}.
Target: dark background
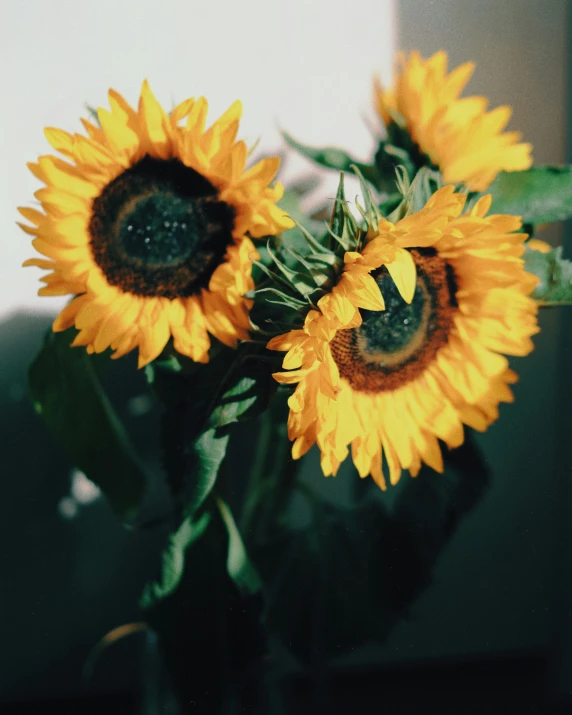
{"x": 493, "y": 633}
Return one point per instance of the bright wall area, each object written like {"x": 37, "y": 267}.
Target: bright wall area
{"x": 304, "y": 66}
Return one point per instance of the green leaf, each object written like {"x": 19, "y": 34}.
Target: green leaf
{"x": 348, "y": 577}
{"x": 208, "y": 620}
{"x": 325, "y": 583}
{"x": 169, "y": 364}
{"x": 554, "y": 273}
{"x": 207, "y": 451}
{"x": 187, "y": 397}
{"x": 331, "y": 158}
{"x": 174, "y": 560}
{"x": 206, "y": 454}
{"x": 200, "y": 408}
{"x": 67, "y": 394}
{"x": 539, "y": 195}
{"x": 398, "y": 151}
{"x": 238, "y": 565}
{"x": 428, "y": 512}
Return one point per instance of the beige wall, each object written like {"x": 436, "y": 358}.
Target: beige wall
{"x": 494, "y": 589}
{"x": 519, "y": 47}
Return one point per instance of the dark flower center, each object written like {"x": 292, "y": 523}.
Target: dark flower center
{"x": 159, "y": 229}
{"x": 393, "y": 346}
{"x": 392, "y": 329}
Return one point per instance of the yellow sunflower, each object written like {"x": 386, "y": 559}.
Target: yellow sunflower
{"x": 407, "y": 345}
{"x": 465, "y": 141}
{"x": 148, "y": 221}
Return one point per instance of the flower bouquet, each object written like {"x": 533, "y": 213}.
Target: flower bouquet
{"x": 375, "y": 329}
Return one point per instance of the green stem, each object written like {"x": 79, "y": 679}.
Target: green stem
{"x": 272, "y": 476}
{"x": 281, "y": 481}
{"x": 256, "y": 476}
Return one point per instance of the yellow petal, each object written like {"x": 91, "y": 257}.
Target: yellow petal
{"x": 155, "y": 124}
{"x": 60, "y": 140}
{"x": 538, "y": 245}
{"x": 121, "y": 139}
{"x": 404, "y": 273}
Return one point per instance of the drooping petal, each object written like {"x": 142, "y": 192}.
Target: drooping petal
{"x": 404, "y": 274}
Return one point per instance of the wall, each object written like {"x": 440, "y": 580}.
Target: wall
{"x": 497, "y": 588}
{"x": 301, "y": 66}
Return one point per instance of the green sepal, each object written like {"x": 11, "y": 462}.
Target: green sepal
{"x": 300, "y": 272}
{"x": 341, "y": 243}
{"x": 301, "y": 282}
{"x": 297, "y": 256}
{"x": 542, "y": 194}
{"x": 321, "y": 275}
{"x": 167, "y": 363}
{"x": 415, "y": 193}
{"x": 352, "y": 232}
{"x": 315, "y": 245}
{"x": 387, "y": 207}
{"x": 345, "y": 234}
{"x": 271, "y": 275}
{"x": 67, "y": 394}
{"x": 283, "y": 298}
{"x": 554, "y": 274}
{"x": 93, "y": 115}
{"x": 331, "y": 158}
{"x": 370, "y": 214}
{"x": 328, "y": 261}
{"x": 338, "y": 217}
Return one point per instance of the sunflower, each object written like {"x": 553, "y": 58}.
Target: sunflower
{"x": 406, "y": 347}
{"x": 148, "y": 221}
{"x": 461, "y": 138}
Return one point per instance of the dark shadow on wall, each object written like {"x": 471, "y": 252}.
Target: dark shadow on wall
{"x": 68, "y": 580}
{"x": 70, "y": 571}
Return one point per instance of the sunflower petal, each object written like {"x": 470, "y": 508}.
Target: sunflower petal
{"x": 404, "y": 273}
